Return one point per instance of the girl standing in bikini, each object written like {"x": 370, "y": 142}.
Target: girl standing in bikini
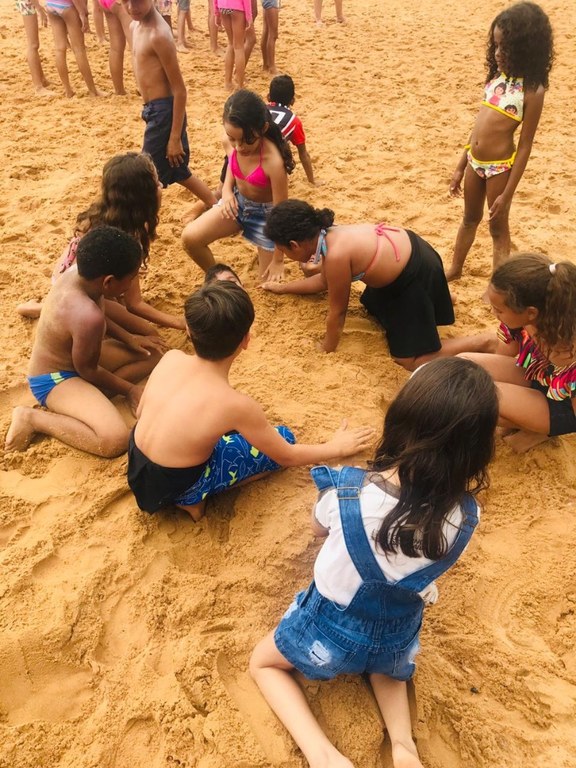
{"x": 235, "y": 16}
{"x": 256, "y": 179}
{"x": 406, "y": 289}
{"x": 118, "y": 22}
{"x": 519, "y": 58}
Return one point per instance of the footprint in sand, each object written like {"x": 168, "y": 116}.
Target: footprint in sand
{"x": 141, "y": 744}
{"x": 258, "y": 716}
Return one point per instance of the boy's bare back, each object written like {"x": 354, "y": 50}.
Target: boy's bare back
{"x": 153, "y": 50}
{"x": 66, "y": 310}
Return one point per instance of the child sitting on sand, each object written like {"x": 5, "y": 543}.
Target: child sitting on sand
{"x": 71, "y": 367}
{"x": 231, "y": 440}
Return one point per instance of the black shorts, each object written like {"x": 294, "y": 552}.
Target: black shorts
{"x": 562, "y": 417}
{"x": 157, "y": 115}
{"x": 410, "y": 308}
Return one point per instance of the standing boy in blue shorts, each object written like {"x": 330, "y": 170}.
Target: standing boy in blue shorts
{"x": 72, "y": 371}
{"x": 162, "y": 87}
{"x": 196, "y": 435}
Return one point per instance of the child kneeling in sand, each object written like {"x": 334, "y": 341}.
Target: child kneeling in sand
{"x": 71, "y": 367}
{"x": 196, "y": 435}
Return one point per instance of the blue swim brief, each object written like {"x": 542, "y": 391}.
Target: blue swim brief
{"x": 233, "y": 460}
{"x": 252, "y": 219}
{"x": 157, "y": 114}
{"x": 43, "y": 384}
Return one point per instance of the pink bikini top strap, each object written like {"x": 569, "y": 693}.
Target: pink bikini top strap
{"x": 382, "y": 229}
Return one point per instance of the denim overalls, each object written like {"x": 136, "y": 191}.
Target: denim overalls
{"x": 378, "y": 630}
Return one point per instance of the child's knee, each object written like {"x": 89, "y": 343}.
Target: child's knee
{"x": 498, "y": 226}
{"x": 113, "y": 444}
{"x": 408, "y": 363}
{"x": 471, "y": 221}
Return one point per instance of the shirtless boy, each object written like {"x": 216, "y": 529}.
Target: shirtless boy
{"x": 161, "y": 85}
{"x": 196, "y": 435}
{"x": 71, "y": 366}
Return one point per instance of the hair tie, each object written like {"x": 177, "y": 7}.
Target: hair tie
{"x": 552, "y": 268}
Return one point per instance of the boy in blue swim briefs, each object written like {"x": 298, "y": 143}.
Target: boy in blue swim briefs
{"x": 196, "y": 435}
{"x": 163, "y": 91}
{"x": 71, "y": 367}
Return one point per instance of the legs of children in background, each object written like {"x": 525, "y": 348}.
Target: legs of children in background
{"x": 250, "y": 40}
{"x": 202, "y": 191}
{"x": 234, "y": 24}
{"x": 476, "y": 191}
{"x": 521, "y": 408}
{"x": 183, "y": 12}
{"x": 212, "y": 28}
{"x": 98, "y": 14}
{"x": 392, "y": 698}
{"x": 39, "y": 80}
{"x": 198, "y": 234}
{"x": 273, "y": 675}
{"x": 117, "y": 47}
{"x": 268, "y": 41}
{"x": 64, "y": 26}
{"x": 264, "y": 260}
{"x": 318, "y": 11}
{"x": 481, "y": 342}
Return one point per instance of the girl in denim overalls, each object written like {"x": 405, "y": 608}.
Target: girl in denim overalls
{"x": 391, "y": 532}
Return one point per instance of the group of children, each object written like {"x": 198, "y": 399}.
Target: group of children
{"x": 391, "y": 530}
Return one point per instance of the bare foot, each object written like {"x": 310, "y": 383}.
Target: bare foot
{"x": 120, "y": 93}
{"x": 319, "y": 23}
{"x": 522, "y": 440}
{"x": 182, "y": 48}
{"x": 197, "y": 210}
{"x": 69, "y": 93}
{"x": 196, "y": 511}
{"x": 21, "y": 430}
{"x": 228, "y": 86}
{"x": 45, "y": 92}
{"x": 97, "y": 93}
{"x": 29, "y": 309}
{"x": 341, "y": 20}
{"x": 404, "y": 757}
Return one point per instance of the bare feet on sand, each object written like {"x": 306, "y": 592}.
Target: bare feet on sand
{"x": 21, "y": 430}
{"x": 403, "y": 757}
{"x": 197, "y": 210}
{"x": 182, "y": 48}
{"x": 45, "y": 92}
{"x": 522, "y": 440}
{"x": 29, "y": 309}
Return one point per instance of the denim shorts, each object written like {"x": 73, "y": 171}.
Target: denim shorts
{"x": 252, "y": 219}
{"x": 322, "y": 651}
{"x": 184, "y": 5}
{"x": 267, "y": 4}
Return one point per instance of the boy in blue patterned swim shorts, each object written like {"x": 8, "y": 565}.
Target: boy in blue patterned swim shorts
{"x": 196, "y": 435}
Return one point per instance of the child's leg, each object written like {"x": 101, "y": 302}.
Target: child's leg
{"x": 499, "y": 224}
{"x": 128, "y": 365}
{"x": 339, "y": 14}
{"x": 264, "y": 260}
{"x": 212, "y": 28}
{"x": 250, "y": 38}
{"x": 79, "y": 415}
{"x": 318, "y": 11}
{"x": 58, "y": 26}
{"x": 229, "y": 55}
{"x": 272, "y": 674}
{"x": 98, "y": 14}
{"x": 238, "y": 23}
{"x": 198, "y": 234}
{"x": 76, "y": 35}
{"x": 181, "y": 46}
{"x": 33, "y": 54}
{"x": 116, "y": 53}
{"x": 269, "y": 37}
{"x": 480, "y": 342}
{"x": 392, "y": 698}
{"x": 200, "y": 189}
{"x": 474, "y": 196}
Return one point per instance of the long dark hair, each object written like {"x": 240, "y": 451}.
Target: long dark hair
{"x": 439, "y": 436}
{"x": 532, "y": 280}
{"x": 128, "y": 199}
{"x": 296, "y": 220}
{"x": 246, "y": 110}
{"x": 527, "y": 41}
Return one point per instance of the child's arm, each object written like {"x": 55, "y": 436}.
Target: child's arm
{"x": 165, "y": 49}
{"x": 533, "y": 103}
{"x": 455, "y": 184}
{"x": 82, "y": 8}
{"x": 253, "y": 425}
{"x": 304, "y": 287}
{"x": 306, "y": 163}
{"x": 279, "y": 183}
{"x": 317, "y": 528}
{"x": 142, "y": 344}
{"x": 136, "y": 304}
{"x": 339, "y": 284}
{"x": 229, "y": 203}
{"x": 41, "y": 13}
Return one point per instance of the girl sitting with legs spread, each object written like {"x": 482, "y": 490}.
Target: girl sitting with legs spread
{"x": 535, "y": 362}
{"x": 390, "y": 532}
{"x": 256, "y": 179}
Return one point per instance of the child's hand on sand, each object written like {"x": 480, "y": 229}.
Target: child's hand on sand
{"x": 147, "y": 344}
{"x": 273, "y": 273}
{"x": 133, "y": 397}
{"x": 348, "y": 441}
{"x": 175, "y": 152}
{"x": 273, "y": 287}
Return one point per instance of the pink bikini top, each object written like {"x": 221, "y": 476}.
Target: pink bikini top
{"x": 257, "y": 178}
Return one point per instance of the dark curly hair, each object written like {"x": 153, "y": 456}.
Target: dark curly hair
{"x": 527, "y": 42}
{"x": 246, "y": 110}
{"x": 128, "y": 199}
{"x": 296, "y": 220}
{"x": 532, "y": 280}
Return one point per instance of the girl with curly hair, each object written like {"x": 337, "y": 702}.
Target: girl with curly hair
{"x": 519, "y": 58}
{"x": 534, "y": 366}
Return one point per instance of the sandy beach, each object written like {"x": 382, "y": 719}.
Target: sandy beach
{"x": 124, "y": 637}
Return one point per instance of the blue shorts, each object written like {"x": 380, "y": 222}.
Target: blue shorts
{"x": 233, "y": 460}
{"x": 252, "y": 219}
{"x": 157, "y": 114}
{"x": 322, "y": 650}
{"x": 184, "y": 5}
{"x": 267, "y": 4}
{"x": 43, "y": 384}
{"x": 562, "y": 416}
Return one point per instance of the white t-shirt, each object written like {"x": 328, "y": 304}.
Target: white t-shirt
{"x": 335, "y": 574}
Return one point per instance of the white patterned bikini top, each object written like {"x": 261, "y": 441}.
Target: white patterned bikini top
{"x": 506, "y": 95}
